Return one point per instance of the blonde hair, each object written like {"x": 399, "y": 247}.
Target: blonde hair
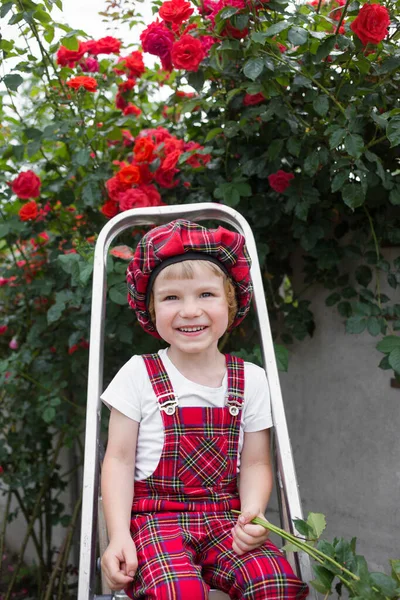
{"x": 184, "y": 270}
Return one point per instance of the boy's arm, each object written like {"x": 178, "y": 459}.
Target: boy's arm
{"x": 255, "y": 486}
{"x": 119, "y": 562}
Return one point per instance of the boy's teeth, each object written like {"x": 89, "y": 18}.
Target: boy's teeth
{"x": 191, "y": 329}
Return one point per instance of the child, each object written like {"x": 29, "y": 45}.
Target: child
{"x": 182, "y": 423}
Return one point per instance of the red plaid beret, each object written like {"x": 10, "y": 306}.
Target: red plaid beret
{"x": 183, "y": 240}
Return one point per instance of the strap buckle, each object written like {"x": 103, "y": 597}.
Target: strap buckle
{"x": 234, "y": 403}
{"x": 169, "y": 405}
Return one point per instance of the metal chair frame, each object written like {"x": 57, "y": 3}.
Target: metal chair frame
{"x": 287, "y": 488}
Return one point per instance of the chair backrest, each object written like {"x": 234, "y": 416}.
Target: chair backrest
{"x": 286, "y": 477}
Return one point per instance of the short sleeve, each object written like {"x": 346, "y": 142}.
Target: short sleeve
{"x": 123, "y": 392}
{"x": 257, "y": 412}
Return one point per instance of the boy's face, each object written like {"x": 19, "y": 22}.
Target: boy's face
{"x": 191, "y": 314}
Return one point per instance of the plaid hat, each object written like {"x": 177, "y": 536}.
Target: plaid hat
{"x": 183, "y": 240}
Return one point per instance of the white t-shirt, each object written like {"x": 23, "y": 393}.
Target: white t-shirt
{"x": 131, "y": 393}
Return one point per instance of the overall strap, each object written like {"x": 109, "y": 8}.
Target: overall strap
{"x": 161, "y": 383}
{"x": 235, "y": 394}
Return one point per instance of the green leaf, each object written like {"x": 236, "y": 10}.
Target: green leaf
{"x": 297, "y": 36}
{"x": 354, "y": 144}
{"x": 394, "y": 195}
{"x": 321, "y": 105}
{"x": 374, "y": 326}
{"x": 325, "y": 578}
{"x": 311, "y": 163}
{"x": 227, "y": 13}
{"x": 385, "y": 584}
{"x": 388, "y": 344}
{"x": 5, "y": 9}
{"x": 317, "y": 522}
{"x": 356, "y": 324}
{"x": 332, "y": 299}
{"x": 294, "y": 146}
{"x": 325, "y": 48}
{"x": 277, "y": 28}
{"x": 395, "y": 564}
{"x": 336, "y": 138}
{"x": 303, "y": 528}
{"x": 393, "y": 131}
{"x": 49, "y": 414}
{"x": 13, "y": 81}
{"x": 70, "y": 42}
{"x": 212, "y": 133}
{"x": 82, "y": 157}
{"x": 394, "y": 359}
{"x": 281, "y": 357}
{"x": 118, "y": 293}
{"x": 363, "y": 275}
{"x": 54, "y": 313}
{"x": 253, "y": 68}
{"x": 4, "y": 229}
{"x": 339, "y": 180}
{"x": 353, "y": 195}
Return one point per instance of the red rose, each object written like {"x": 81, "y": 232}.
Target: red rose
{"x": 157, "y": 40}
{"x": 106, "y": 45}
{"x": 143, "y": 150}
{"x": 132, "y": 63}
{"x": 251, "y": 99}
{"x": 68, "y": 58}
{"x": 170, "y": 161}
{"x": 166, "y": 178}
{"x": 109, "y": 209}
{"x": 145, "y": 195}
{"x": 187, "y": 53}
{"x": 89, "y": 65}
{"x": 196, "y": 160}
{"x": 88, "y": 83}
{"x": 26, "y": 185}
{"x": 29, "y": 211}
{"x": 371, "y": 24}
{"x": 126, "y": 86}
{"x": 3, "y": 329}
{"x": 131, "y": 109}
{"x": 175, "y": 11}
{"x": 280, "y": 180}
{"x": 115, "y": 187}
{"x": 129, "y": 175}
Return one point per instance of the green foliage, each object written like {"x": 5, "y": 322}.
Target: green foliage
{"x": 337, "y": 566}
{"x": 290, "y": 93}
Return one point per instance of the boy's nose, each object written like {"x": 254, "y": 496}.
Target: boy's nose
{"x": 190, "y": 308}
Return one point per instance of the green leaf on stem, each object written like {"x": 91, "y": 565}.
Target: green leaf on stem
{"x": 393, "y": 131}
{"x": 297, "y": 36}
{"x": 281, "y": 357}
{"x": 353, "y": 195}
{"x": 12, "y": 81}
{"x": 394, "y": 359}
{"x": 277, "y": 28}
{"x": 321, "y": 105}
{"x": 354, "y": 144}
{"x": 253, "y": 68}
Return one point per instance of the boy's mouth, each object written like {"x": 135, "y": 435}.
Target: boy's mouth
{"x": 191, "y": 329}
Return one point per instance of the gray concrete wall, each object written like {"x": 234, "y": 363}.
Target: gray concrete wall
{"x": 344, "y": 422}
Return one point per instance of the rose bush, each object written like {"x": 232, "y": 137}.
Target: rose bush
{"x": 288, "y": 113}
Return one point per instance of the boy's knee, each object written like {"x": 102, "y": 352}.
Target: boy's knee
{"x": 189, "y": 589}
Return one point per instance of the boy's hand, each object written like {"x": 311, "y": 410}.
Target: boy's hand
{"x": 246, "y": 535}
{"x": 119, "y": 562}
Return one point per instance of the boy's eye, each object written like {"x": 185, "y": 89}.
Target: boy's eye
{"x": 206, "y": 294}
{"x": 171, "y": 297}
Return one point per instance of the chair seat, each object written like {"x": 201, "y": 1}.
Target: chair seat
{"x": 217, "y": 595}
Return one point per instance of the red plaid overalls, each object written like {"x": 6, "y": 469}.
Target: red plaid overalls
{"x": 181, "y": 520}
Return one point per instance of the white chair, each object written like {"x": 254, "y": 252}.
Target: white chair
{"x": 287, "y": 488}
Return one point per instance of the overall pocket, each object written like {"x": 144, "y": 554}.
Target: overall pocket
{"x": 202, "y": 461}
